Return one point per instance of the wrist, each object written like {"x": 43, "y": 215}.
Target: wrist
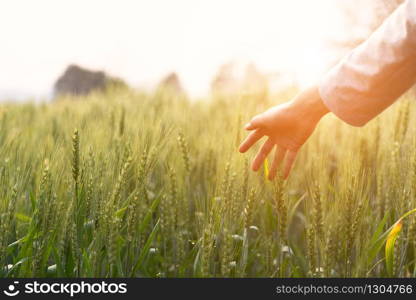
{"x": 309, "y": 104}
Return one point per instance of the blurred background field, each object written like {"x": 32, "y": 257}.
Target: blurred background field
{"x": 153, "y": 185}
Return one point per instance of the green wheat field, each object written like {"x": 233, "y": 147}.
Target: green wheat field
{"x": 128, "y": 184}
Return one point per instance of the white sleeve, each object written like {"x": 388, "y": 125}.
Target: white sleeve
{"x": 373, "y": 75}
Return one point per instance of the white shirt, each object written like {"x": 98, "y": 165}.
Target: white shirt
{"x": 373, "y": 75}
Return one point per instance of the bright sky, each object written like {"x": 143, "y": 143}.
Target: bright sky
{"x": 141, "y": 41}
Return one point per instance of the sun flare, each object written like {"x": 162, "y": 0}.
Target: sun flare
{"x": 144, "y": 40}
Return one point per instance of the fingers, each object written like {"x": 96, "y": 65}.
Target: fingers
{"x": 262, "y": 154}
{"x": 250, "y": 140}
{"x": 279, "y": 155}
{"x": 290, "y": 159}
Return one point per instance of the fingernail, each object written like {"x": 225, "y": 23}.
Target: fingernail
{"x": 248, "y": 125}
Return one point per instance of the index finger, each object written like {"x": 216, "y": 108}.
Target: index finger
{"x": 250, "y": 140}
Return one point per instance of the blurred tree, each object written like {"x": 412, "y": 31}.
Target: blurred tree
{"x": 80, "y": 81}
{"x": 234, "y": 78}
{"x": 224, "y": 79}
{"x": 172, "y": 84}
{"x": 254, "y": 81}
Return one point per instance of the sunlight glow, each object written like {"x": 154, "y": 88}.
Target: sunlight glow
{"x": 141, "y": 41}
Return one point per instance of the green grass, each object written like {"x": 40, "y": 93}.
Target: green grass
{"x": 150, "y": 185}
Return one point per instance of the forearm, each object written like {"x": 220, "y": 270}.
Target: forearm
{"x": 375, "y": 73}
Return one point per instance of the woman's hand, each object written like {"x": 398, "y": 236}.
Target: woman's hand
{"x": 287, "y": 126}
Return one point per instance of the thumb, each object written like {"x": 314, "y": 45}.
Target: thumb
{"x": 255, "y": 123}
